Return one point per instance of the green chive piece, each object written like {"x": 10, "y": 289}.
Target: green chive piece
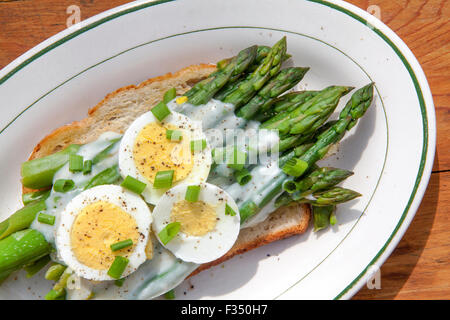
{"x": 133, "y": 184}
{"x": 229, "y": 211}
{"x": 53, "y": 294}
{"x": 118, "y": 267}
{"x": 121, "y": 244}
{"x": 170, "y": 95}
{"x": 192, "y": 193}
{"x": 46, "y": 218}
{"x": 75, "y": 163}
{"x": 87, "y": 167}
{"x": 174, "y": 135}
{"x": 163, "y": 179}
{"x": 243, "y": 176}
{"x": 160, "y": 111}
{"x": 63, "y": 185}
{"x": 119, "y": 282}
{"x": 54, "y": 272}
{"x": 237, "y": 160}
{"x": 37, "y": 266}
{"x": 295, "y": 167}
{"x": 169, "y": 232}
{"x": 198, "y": 145}
{"x": 170, "y": 295}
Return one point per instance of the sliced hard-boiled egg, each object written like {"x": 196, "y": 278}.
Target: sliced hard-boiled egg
{"x": 208, "y": 227}
{"x": 96, "y": 219}
{"x": 147, "y": 148}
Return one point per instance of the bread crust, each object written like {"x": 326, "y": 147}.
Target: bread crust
{"x": 282, "y": 223}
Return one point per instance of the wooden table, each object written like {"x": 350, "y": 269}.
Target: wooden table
{"x": 419, "y": 268}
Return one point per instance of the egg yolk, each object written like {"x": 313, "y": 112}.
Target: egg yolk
{"x": 196, "y": 218}
{"x": 153, "y": 152}
{"x": 95, "y": 228}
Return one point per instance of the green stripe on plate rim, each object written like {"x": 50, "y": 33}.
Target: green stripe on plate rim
{"x": 331, "y": 5}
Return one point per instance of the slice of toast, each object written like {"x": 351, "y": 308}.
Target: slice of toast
{"x": 119, "y": 109}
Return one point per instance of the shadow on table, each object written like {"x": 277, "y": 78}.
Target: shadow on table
{"x": 399, "y": 266}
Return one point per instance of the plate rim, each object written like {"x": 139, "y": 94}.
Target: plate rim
{"x": 393, "y": 40}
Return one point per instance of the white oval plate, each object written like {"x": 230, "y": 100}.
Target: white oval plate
{"x": 391, "y": 150}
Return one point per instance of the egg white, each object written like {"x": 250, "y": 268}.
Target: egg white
{"x": 116, "y": 195}
{"x": 212, "y": 245}
{"x": 191, "y": 130}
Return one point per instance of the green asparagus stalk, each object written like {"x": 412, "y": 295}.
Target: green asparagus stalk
{"x": 30, "y": 197}
{"x": 21, "y": 219}
{"x": 107, "y": 176}
{"x": 286, "y": 103}
{"x": 310, "y": 115}
{"x": 38, "y": 173}
{"x": 58, "y": 291}
{"x": 20, "y": 249}
{"x": 267, "y": 69}
{"x": 322, "y": 216}
{"x": 319, "y": 179}
{"x": 354, "y": 109}
{"x": 36, "y": 266}
{"x": 334, "y": 196}
{"x": 279, "y": 84}
{"x": 261, "y": 53}
{"x": 205, "y": 90}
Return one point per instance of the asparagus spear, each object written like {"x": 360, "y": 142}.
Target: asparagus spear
{"x": 310, "y": 115}
{"x": 205, "y": 90}
{"x": 282, "y": 82}
{"x": 354, "y": 109}
{"x": 21, "y": 219}
{"x": 267, "y": 69}
{"x": 319, "y": 179}
{"x": 322, "y": 216}
{"x": 286, "y": 103}
{"x": 21, "y": 248}
{"x": 38, "y": 173}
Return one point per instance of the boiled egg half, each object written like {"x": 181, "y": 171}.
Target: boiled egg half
{"x": 208, "y": 227}
{"x": 146, "y": 149}
{"x": 93, "y": 221}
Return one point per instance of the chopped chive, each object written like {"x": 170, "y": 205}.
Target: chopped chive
{"x": 133, "y": 184}
{"x": 54, "y": 272}
{"x": 169, "y": 232}
{"x": 237, "y": 160}
{"x": 121, "y": 244}
{"x": 192, "y": 193}
{"x": 170, "y": 95}
{"x": 170, "y": 295}
{"x": 229, "y": 211}
{"x": 75, "y": 163}
{"x": 119, "y": 282}
{"x": 63, "y": 185}
{"x": 243, "y": 176}
{"x": 295, "y": 167}
{"x": 46, "y": 218}
{"x": 163, "y": 179}
{"x": 198, "y": 145}
{"x": 118, "y": 267}
{"x": 87, "y": 166}
{"x": 160, "y": 111}
{"x": 174, "y": 135}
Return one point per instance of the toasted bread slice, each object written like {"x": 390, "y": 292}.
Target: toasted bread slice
{"x": 119, "y": 109}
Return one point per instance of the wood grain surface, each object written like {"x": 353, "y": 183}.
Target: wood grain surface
{"x": 419, "y": 268}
